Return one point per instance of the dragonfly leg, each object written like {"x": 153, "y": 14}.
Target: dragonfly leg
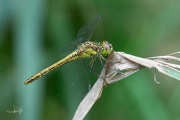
{"x": 94, "y": 72}
{"x": 90, "y": 66}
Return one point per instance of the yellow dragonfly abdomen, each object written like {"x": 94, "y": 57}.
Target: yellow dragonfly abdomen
{"x": 69, "y": 58}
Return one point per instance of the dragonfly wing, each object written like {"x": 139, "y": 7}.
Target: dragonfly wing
{"x": 75, "y": 74}
{"x": 76, "y": 77}
{"x": 85, "y": 33}
{"x": 70, "y": 48}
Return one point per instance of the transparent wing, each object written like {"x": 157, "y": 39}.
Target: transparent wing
{"x": 85, "y": 33}
{"x": 76, "y": 77}
{"x": 70, "y": 48}
{"x": 74, "y": 73}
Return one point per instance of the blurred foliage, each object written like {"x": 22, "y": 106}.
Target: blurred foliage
{"x": 32, "y": 33}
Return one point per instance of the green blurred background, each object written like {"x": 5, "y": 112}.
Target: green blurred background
{"x": 32, "y": 33}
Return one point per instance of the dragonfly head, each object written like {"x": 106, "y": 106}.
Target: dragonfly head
{"x": 106, "y": 48}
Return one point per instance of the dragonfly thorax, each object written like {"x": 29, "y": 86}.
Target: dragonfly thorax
{"x": 92, "y": 49}
{"x": 88, "y": 49}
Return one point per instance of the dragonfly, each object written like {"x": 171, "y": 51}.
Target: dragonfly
{"x": 84, "y": 48}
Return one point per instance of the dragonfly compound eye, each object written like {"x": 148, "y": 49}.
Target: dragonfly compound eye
{"x": 107, "y": 48}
